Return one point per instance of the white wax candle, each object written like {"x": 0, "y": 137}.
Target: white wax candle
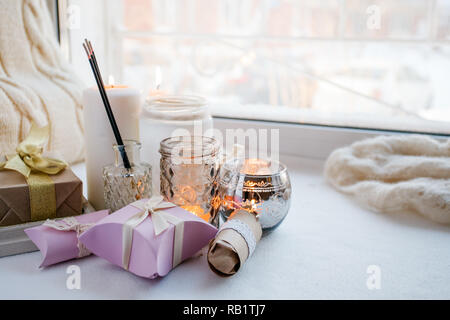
{"x": 99, "y": 137}
{"x": 167, "y": 116}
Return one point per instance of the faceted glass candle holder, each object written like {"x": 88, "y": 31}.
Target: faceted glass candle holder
{"x": 189, "y": 170}
{"x": 123, "y": 186}
{"x": 259, "y": 186}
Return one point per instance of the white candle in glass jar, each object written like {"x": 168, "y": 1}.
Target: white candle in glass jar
{"x": 171, "y": 115}
{"x": 99, "y": 137}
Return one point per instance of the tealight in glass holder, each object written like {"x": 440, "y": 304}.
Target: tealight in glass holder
{"x": 189, "y": 170}
{"x": 261, "y": 187}
{"x": 123, "y": 186}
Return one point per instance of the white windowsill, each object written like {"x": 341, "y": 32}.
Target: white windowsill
{"x": 322, "y": 250}
{"x": 306, "y": 141}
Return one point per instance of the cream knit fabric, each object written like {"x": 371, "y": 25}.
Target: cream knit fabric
{"x": 404, "y": 173}
{"x": 36, "y": 83}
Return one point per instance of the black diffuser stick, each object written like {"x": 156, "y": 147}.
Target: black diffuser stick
{"x": 94, "y": 60}
{"x": 98, "y": 78}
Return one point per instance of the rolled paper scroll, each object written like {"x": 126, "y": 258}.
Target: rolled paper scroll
{"x": 234, "y": 243}
{"x": 58, "y": 240}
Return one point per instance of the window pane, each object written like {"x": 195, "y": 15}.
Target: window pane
{"x": 399, "y": 19}
{"x": 359, "y": 63}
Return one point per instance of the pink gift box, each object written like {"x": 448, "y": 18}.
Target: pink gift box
{"x": 151, "y": 255}
{"x": 58, "y": 246}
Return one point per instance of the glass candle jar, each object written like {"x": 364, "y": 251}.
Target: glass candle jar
{"x": 171, "y": 115}
{"x": 259, "y": 186}
{"x": 189, "y": 170}
{"x": 123, "y": 186}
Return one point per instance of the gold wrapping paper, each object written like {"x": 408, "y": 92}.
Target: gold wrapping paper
{"x": 228, "y": 251}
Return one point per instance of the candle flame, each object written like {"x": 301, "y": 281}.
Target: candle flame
{"x": 111, "y": 80}
{"x": 253, "y": 204}
{"x": 158, "y": 77}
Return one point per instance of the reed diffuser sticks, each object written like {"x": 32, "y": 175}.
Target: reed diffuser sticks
{"x": 101, "y": 87}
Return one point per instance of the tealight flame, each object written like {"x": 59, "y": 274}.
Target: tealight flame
{"x": 253, "y": 205}
{"x": 111, "y": 81}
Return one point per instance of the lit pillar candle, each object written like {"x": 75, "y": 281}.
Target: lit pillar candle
{"x": 126, "y": 105}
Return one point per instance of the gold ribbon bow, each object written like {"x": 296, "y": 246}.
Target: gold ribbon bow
{"x": 29, "y": 157}
{"x": 155, "y": 207}
{"x": 29, "y": 162}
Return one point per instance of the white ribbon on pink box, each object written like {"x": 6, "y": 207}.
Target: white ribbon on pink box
{"x": 153, "y": 207}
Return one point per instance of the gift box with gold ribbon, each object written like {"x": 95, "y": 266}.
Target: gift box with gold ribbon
{"x": 34, "y": 187}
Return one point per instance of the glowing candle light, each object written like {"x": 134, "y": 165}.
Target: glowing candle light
{"x": 261, "y": 187}
{"x": 198, "y": 211}
{"x": 158, "y": 81}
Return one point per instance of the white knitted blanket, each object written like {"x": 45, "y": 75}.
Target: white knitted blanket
{"x": 405, "y": 173}
{"x": 36, "y": 83}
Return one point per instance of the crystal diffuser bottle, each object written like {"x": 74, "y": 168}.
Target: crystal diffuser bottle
{"x": 123, "y": 186}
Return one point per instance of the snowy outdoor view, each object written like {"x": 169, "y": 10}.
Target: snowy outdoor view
{"x": 356, "y": 63}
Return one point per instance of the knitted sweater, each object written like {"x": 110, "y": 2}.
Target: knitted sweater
{"x": 36, "y": 83}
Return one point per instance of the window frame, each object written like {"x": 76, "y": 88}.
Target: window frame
{"x": 310, "y": 140}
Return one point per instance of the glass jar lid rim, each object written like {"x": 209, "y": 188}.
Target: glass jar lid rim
{"x": 209, "y": 145}
{"x": 176, "y": 107}
{"x": 175, "y": 101}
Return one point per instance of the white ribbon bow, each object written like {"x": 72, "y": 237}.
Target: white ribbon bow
{"x": 71, "y": 224}
{"x": 160, "y": 219}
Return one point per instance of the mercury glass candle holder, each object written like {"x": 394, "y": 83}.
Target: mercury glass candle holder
{"x": 123, "y": 186}
{"x": 189, "y": 170}
{"x": 259, "y": 186}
